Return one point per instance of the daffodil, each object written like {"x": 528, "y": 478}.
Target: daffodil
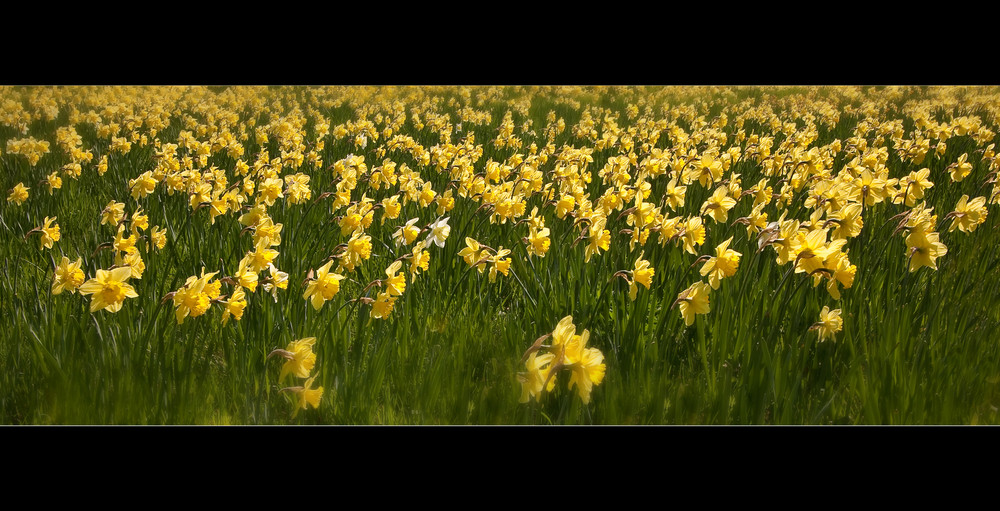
{"x": 159, "y": 237}
{"x": 842, "y": 273}
{"x": 718, "y": 205}
{"x": 439, "y": 232}
{"x": 565, "y": 205}
{"x": 267, "y": 232}
{"x": 270, "y": 190}
{"x": 299, "y": 358}
{"x": 849, "y": 222}
{"x": 829, "y": 323}
{"x": 67, "y": 276}
{"x": 914, "y": 185}
{"x": 50, "y": 233}
{"x": 245, "y": 276}
{"x": 113, "y": 213}
{"x": 641, "y": 274}
{"x": 140, "y": 221}
{"x": 275, "y": 281}
{"x": 132, "y": 260}
{"x": 693, "y": 301}
{"x": 53, "y": 181}
{"x": 534, "y": 379}
{"x": 125, "y": 244}
{"x": 563, "y": 332}
{"x": 382, "y": 305}
{"x": 598, "y": 239}
{"x": 694, "y": 234}
{"x": 924, "y": 248}
{"x": 723, "y": 265}
{"x": 18, "y": 194}
{"x": 674, "y": 195}
{"x": 812, "y": 249}
{"x": 298, "y": 188}
{"x": 324, "y": 287}
{"x": 538, "y": 242}
{"x": 419, "y": 261}
{"x": 473, "y": 254}
{"x": 407, "y": 233}
{"x": 968, "y": 214}
{"x": 391, "y": 208}
{"x": 234, "y": 306}
{"x": 193, "y": 299}
{"x": 142, "y": 185}
{"x": 109, "y": 289}
{"x": 396, "y": 282}
{"x": 359, "y": 248}
{"x": 569, "y": 351}
{"x": 960, "y": 169}
{"x": 307, "y": 396}
{"x": 500, "y": 263}
{"x": 587, "y": 372}
{"x": 261, "y": 257}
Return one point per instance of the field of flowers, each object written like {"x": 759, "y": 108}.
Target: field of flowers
{"x": 499, "y": 255}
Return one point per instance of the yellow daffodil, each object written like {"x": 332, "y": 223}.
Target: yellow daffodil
{"x": 359, "y": 248}
{"x": 693, "y": 301}
{"x": 675, "y": 195}
{"x": 113, "y": 213}
{"x": 473, "y": 253}
{"x": 53, "y": 182}
{"x": 924, "y": 248}
{"x": 718, "y": 205}
{"x": 18, "y": 194}
{"x": 234, "y": 306}
{"x": 968, "y": 214}
{"x": 50, "y": 233}
{"x": 419, "y": 261}
{"x": 538, "y": 242}
{"x": 245, "y": 276}
{"x": 960, "y": 169}
{"x": 324, "y": 287}
{"x": 536, "y": 376}
{"x": 723, "y": 265}
{"x": 585, "y": 364}
{"x": 569, "y": 351}
{"x": 159, "y": 237}
{"x": 500, "y": 263}
{"x": 396, "y": 282}
{"x": 382, "y": 306}
{"x": 641, "y": 274}
{"x": 307, "y": 396}
{"x": 391, "y": 208}
{"x": 109, "y": 289}
{"x": 694, "y": 234}
{"x": 407, "y": 233}
{"x": 195, "y": 297}
{"x": 67, "y": 276}
{"x": 829, "y": 323}
{"x": 598, "y": 239}
{"x": 300, "y": 359}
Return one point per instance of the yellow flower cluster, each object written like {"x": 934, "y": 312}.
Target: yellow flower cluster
{"x": 568, "y": 351}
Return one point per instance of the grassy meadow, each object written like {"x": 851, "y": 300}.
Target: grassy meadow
{"x": 499, "y": 255}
